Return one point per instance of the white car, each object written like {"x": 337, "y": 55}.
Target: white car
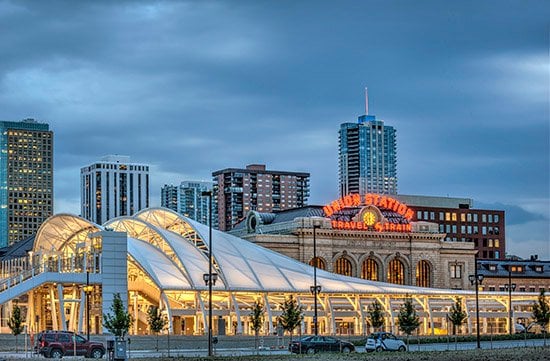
{"x": 384, "y": 341}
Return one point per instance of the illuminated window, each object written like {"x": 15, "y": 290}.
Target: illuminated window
{"x": 423, "y": 274}
{"x": 396, "y": 272}
{"x": 447, "y": 216}
{"x": 497, "y": 243}
{"x": 462, "y": 217}
{"x": 320, "y": 263}
{"x": 454, "y": 217}
{"x": 343, "y": 266}
{"x": 369, "y": 270}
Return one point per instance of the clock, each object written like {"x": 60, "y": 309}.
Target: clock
{"x": 369, "y": 217}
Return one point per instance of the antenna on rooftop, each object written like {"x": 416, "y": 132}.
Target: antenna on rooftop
{"x": 366, "y": 101}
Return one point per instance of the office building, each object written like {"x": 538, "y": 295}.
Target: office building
{"x": 239, "y": 191}
{"x": 458, "y": 219}
{"x": 113, "y": 187}
{"x": 367, "y": 157}
{"x": 26, "y": 178}
{"x": 187, "y": 199}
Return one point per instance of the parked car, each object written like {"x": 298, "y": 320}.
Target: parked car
{"x": 384, "y": 341}
{"x": 314, "y": 344}
{"x": 56, "y": 344}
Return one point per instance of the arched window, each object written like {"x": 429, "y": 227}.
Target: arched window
{"x": 423, "y": 274}
{"x": 396, "y": 272}
{"x": 343, "y": 266}
{"x": 320, "y": 263}
{"x": 369, "y": 270}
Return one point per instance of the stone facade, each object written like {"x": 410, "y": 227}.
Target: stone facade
{"x": 382, "y": 247}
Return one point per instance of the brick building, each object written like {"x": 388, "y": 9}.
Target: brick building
{"x": 239, "y": 191}
{"x": 460, "y": 222}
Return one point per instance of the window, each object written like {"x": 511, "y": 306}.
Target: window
{"x": 425, "y": 215}
{"x": 447, "y": 216}
{"x": 469, "y": 217}
{"x": 396, "y": 272}
{"x": 441, "y": 216}
{"x": 490, "y": 218}
{"x": 320, "y": 263}
{"x": 462, "y": 217}
{"x": 456, "y": 271}
{"x": 454, "y": 217}
{"x": 463, "y": 229}
{"x": 497, "y": 243}
{"x": 475, "y": 217}
{"x": 495, "y": 217}
{"x": 484, "y": 230}
{"x": 483, "y": 218}
{"x": 490, "y": 243}
{"x": 448, "y": 228}
{"x": 423, "y": 274}
{"x": 454, "y": 228}
{"x": 369, "y": 270}
{"x": 343, "y": 266}
{"x": 418, "y": 215}
{"x": 432, "y": 216}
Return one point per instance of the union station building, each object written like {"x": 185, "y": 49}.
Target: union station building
{"x": 368, "y": 250}
{"x": 370, "y": 237}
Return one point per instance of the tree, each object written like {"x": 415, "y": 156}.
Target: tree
{"x": 376, "y": 315}
{"x": 457, "y": 316}
{"x": 291, "y": 316}
{"x": 118, "y": 323}
{"x": 408, "y": 319}
{"x": 15, "y": 322}
{"x": 541, "y": 312}
{"x": 257, "y": 319}
{"x": 157, "y": 321}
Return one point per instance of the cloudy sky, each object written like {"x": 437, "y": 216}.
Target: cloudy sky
{"x": 193, "y": 87}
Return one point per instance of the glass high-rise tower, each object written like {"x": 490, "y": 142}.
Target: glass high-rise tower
{"x": 26, "y": 178}
{"x": 367, "y": 157}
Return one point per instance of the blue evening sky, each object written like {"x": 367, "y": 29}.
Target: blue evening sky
{"x": 190, "y": 87}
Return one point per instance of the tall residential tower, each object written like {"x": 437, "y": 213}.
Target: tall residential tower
{"x": 113, "y": 187}
{"x": 367, "y": 156}
{"x": 239, "y": 191}
{"x": 26, "y": 178}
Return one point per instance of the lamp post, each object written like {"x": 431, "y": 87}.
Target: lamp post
{"x": 209, "y": 278}
{"x": 476, "y": 280}
{"x": 88, "y": 289}
{"x": 315, "y": 290}
{"x": 510, "y": 287}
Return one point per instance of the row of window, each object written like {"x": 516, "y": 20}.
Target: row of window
{"x": 504, "y": 288}
{"x": 453, "y": 228}
{"x": 453, "y": 217}
{"x": 370, "y": 270}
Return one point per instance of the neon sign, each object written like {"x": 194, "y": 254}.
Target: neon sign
{"x": 369, "y": 217}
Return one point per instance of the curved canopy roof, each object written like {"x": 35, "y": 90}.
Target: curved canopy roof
{"x": 173, "y": 250}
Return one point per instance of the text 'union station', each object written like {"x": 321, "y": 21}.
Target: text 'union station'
{"x": 158, "y": 257}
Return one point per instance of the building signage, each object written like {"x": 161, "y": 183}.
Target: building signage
{"x": 377, "y": 213}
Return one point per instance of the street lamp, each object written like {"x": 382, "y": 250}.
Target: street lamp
{"x": 88, "y": 289}
{"x": 209, "y": 278}
{"x": 476, "y": 280}
{"x": 315, "y": 290}
{"x": 510, "y": 287}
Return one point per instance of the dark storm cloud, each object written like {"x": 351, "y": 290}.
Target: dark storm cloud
{"x": 192, "y": 87}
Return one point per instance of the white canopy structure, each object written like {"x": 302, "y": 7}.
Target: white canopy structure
{"x": 168, "y": 257}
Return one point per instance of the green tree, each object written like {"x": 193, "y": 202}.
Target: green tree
{"x": 541, "y": 312}
{"x": 408, "y": 319}
{"x": 376, "y": 315}
{"x": 257, "y": 319}
{"x": 457, "y": 316}
{"x": 119, "y": 321}
{"x": 15, "y": 323}
{"x": 157, "y": 321}
{"x": 291, "y": 316}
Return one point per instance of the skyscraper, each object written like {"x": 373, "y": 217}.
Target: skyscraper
{"x": 367, "y": 156}
{"x": 187, "y": 200}
{"x": 26, "y": 178}
{"x": 112, "y": 188}
{"x": 255, "y": 188}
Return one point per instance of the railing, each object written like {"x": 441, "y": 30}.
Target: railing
{"x": 26, "y": 270}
